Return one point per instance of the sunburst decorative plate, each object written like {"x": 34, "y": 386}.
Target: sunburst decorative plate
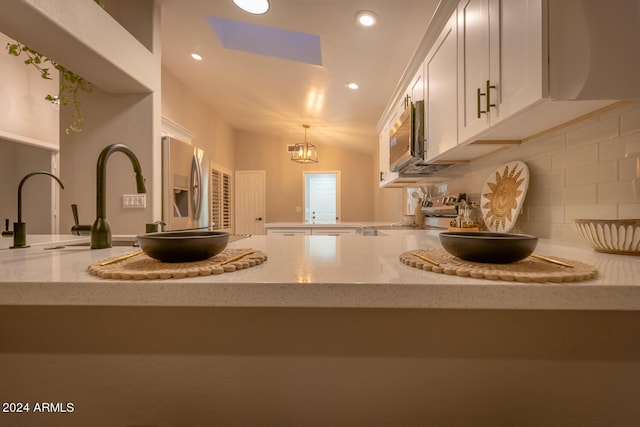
{"x": 503, "y": 195}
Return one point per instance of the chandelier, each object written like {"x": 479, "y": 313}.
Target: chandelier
{"x": 304, "y": 152}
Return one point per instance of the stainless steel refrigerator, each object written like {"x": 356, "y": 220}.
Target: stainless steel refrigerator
{"x": 185, "y": 186}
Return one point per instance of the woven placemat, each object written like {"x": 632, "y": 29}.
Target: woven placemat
{"x": 527, "y": 270}
{"x": 143, "y": 267}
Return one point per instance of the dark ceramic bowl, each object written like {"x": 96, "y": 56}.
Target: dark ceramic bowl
{"x": 484, "y": 246}
{"x": 183, "y": 246}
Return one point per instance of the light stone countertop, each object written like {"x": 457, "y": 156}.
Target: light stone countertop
{"x": 316, "y": 271}
{"x": 433, "y": 221}
{"x": 44, "y": 239}
{"x": 322, "y": 224}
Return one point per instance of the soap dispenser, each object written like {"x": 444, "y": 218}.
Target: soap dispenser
{"x": 6, "y": 232}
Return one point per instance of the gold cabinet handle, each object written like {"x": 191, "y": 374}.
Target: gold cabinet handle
{"x": 479, "y": 103}
{"x": 489, "y": 87}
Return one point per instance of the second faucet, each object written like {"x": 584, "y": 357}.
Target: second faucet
{"x": 100, "y": 231}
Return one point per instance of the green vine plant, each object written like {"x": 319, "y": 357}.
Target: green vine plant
{"x": 70, "y": 82}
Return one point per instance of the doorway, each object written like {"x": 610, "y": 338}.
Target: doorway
{"x": 321, "y": 197}
{"x": 250, "y": 201}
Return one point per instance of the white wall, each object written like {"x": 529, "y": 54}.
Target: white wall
{"x": 123, "y": 108}
{"x": 24, "y": 113}
{"x": 129, "y": 118}
{"x": 27, "y": 123}
{"x": 16, "y": 161}
{"x": 187, "y": 109}
{"x": 586, "y": 170}
{"x": 285, "y": 181}
{"x": 387, "y": 203}
{"x": 109, "y": 119}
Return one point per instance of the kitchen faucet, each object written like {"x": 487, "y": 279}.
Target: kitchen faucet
{"x": 20, "y": 228}
{"x": 100, "y": 231}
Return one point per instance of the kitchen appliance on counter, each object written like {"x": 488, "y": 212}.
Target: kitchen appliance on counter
{"x": 447, "y": 206}
{"x": 406, "y": 144}
{"x": 185, "y": 186}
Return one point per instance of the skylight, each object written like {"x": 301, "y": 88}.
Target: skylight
{"x": 268, "y": 41}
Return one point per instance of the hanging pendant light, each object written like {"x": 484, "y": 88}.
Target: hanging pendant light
{"x": 304, "y": 152}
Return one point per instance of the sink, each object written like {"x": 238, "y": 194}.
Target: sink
{"x": 116, "y": 241}
{"x": 409, "y": 227}
{"x": 113, "y": 243}
{"x": 133, "y": 241}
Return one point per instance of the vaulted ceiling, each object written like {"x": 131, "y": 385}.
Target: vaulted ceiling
{"x": 253, "y": 76}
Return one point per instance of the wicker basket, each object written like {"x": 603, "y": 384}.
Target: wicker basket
{"x": 613, "y": 236}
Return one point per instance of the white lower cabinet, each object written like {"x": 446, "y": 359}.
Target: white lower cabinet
{"x": 313, "y": 230}
{"x": 288, "y": 231}
{"x": 334, "y": 231}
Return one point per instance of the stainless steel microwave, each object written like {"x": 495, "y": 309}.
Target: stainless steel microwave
{"x": 406, "y": 138}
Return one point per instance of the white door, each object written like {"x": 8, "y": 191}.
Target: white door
{"x": 250, "y": 202}
{"x": 321, "y": 197}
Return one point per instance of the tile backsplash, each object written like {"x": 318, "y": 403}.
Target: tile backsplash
{"x": 589, "y": 169}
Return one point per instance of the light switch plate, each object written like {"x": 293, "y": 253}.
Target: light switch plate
{"x": 134, "y": 201}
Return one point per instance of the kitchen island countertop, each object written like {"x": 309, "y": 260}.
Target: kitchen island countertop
{"x": 317, "y": 271}
{"x": 45, "y": 239}
{"x": 441, "y": 222}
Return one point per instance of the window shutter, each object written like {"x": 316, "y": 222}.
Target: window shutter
{"x": 221, "y": 200}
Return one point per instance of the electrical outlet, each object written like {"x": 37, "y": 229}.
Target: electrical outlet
{"x": 134, "y": 201}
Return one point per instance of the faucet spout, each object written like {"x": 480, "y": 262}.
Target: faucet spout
{"x": 20, "y": 228}
{"x": 100, "y": 231}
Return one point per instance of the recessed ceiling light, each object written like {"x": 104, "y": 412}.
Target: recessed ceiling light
{"x": 196, "y": 57}
{"x": 352, "y": 85}
{"x": 257, "y": 7}
{"x": 366, "y": 18}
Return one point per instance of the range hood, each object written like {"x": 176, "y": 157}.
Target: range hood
{"x": 418, "y": 167}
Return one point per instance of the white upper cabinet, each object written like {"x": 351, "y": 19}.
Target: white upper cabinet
{"x": 526, "y": 66}
{"x": 441, "y": 88}
{"x": 416, "y": 90}
{"x": 499, "y": 61}
{"x": 499, "y": 72}
{"x": 385, "y": 175}
{"x": 518, "y": 57}
{"x": 474, "y": 61}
